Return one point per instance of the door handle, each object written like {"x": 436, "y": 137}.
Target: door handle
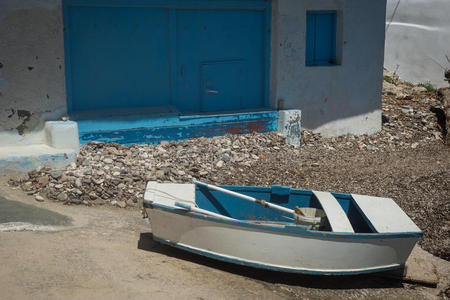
{"x": 208, "y": 91}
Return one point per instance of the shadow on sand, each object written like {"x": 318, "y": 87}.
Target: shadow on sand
{"x": 147, "y": 243}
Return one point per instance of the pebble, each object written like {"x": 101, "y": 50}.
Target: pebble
{"x": 56, "y": 174}
{"x": 220, "y": 164}
{"x": 108, "y": 161}
{"x": 39, "y": 198}
{"x": 27, "y": 186}
{"x": 98, "y": 181}
{"x": 121, "y": 204}
{"x": 78, "y": 183}
{"x": 43, "y": 180}
{"x": 160, "y": 174}
{"x": 62, "y": 196}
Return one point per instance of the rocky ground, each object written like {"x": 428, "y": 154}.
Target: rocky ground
{"x": 407, "y": 161}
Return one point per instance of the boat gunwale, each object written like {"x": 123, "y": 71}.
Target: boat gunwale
{"x": 287, "y": 229}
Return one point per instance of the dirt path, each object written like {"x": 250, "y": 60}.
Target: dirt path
{"x": 109, "y": 254}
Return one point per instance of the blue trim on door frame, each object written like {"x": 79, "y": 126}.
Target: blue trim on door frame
{"x": 170, "y": 4}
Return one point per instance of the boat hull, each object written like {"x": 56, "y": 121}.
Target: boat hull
{"x": 269, "y": 248}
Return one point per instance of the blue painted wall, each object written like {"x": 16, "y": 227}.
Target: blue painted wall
{"x": 200, "y": 56}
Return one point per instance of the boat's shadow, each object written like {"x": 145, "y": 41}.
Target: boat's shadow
{"x": 147, "y": 243}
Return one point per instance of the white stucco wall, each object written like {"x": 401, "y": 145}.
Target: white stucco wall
{"x": 32, "y": 87}
{"x": 418, "y": 39}
{"x": 334, "y": 99}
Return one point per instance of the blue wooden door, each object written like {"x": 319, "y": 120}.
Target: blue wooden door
{"x": 144, "y": 53}
{"x": 220, "y": 50}
{"x": 119, "y": 57}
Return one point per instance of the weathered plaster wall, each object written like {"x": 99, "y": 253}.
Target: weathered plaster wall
{"x": 418, "y": 39}
{"x": 333, "y": 99}
{"x": 32, "y": 87}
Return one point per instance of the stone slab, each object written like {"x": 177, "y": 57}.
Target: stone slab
{"x": 419, "y": 269}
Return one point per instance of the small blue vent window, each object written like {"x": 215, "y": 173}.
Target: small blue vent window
{"x": 320, "y": 38}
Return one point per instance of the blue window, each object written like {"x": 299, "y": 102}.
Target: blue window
{"x": 320, "y": 38}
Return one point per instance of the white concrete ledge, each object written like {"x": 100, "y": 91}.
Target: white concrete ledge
{"x": 58, "y": 147}
{"x": 22, "y": 159}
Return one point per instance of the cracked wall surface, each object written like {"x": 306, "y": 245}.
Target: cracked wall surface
{"x": 32, "y": 76}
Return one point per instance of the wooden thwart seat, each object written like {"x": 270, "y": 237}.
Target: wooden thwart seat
{"x": 335, "y": 214}
{"x": 169, "y": 193}
{"x": 384, "y": 215}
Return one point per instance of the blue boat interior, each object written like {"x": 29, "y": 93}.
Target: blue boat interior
{"x": 240, "y": 209}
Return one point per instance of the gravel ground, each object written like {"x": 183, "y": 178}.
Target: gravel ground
{"x": 407, "y": 161}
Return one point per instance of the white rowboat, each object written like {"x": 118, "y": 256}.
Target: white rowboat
{"x": 359, "y": 234}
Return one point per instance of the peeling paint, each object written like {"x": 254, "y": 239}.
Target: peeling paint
{"x": 25, "y": 115}
{"x": 174, "y": 129}
{"x": 12, "y": 113}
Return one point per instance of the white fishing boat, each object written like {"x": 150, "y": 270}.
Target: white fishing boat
{"x": 283, "y": 229}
